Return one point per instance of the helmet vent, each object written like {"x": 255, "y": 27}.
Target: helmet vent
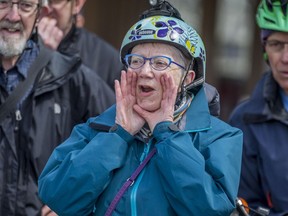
{"x": 269, "y": 20}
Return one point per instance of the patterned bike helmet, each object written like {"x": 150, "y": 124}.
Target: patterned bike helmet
{"x": 173, "y": 31}
{"x": 272, "y": 15}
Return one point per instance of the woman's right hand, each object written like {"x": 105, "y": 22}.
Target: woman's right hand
{"x": 125, "y": 91}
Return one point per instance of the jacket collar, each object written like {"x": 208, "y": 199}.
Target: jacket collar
{"x": 66, "y": 45}
{"x": 266, "y": 103}
{"x": 197, "y": 117}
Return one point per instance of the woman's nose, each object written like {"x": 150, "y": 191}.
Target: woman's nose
{"x": 146, "y": 69}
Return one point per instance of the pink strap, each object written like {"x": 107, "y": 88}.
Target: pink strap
{"x": 130, "y": 181}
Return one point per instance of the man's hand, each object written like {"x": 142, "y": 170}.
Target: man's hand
{"x": 50, "y": 33}
{"x": 125, "y": 100}
{"x": 166, "y": 110}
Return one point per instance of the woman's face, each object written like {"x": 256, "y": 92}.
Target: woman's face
{"x": 148, "y": 88}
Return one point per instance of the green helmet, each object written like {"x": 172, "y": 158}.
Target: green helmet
{"x": 272, "y": 15}
{"x": 172, "y": 31}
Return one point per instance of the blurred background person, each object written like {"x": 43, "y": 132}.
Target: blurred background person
{"x": 43, "y": 94}
{"x": 263, "y": 117}
{"x": 58, "y": 30}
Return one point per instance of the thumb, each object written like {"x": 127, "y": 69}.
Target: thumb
{"x": 143, "y": 113}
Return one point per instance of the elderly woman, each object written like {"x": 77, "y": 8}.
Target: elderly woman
{"x": 158, "y": 151}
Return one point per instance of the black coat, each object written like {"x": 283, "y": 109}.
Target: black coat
{"x": 65, "y": 93}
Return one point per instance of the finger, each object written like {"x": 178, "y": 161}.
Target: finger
{"x": 45, "y": 210}
{"x": 118, "y": 92}
{"x": 123, "y": 83}
{"x": 143, "y": 113}
{"x": 165, "y": 87}
{"x": 172, "y": 88}
{"x": 134, "y": 81}
{"x": 52, "y": 214}
{"x": 57, "y": 34}
{"x": 42, "y": 24}
{"x": 129, "y": 76}
{"x": 51, "y": 24}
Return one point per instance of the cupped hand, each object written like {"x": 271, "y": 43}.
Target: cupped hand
{"x": 125, "y": 91}
{"x": 166, "y": 110}
{"x": 50, "y": 33}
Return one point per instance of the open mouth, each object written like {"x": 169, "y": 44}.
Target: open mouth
{"x": 146, "y": 89}
{"x": 10, "y": 30}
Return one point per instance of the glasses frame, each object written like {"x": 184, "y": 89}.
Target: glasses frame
{"x": 11, "y": 3}
{"x": 126, "y": 58}
{"x": 270, "y": 43}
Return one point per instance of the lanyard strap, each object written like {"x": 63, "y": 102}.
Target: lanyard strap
{"x": 130, "y": 181}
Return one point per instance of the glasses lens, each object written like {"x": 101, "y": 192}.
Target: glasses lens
{"x": 135, "y": 61}
{"x": 160, "y": 62}
{"x": 4, "y": 4}
{"x": 26, "y": 6}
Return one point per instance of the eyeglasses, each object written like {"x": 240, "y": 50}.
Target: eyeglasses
{"x": 24, "y": 7}
{"x": 275, "y": 45}
{"x": 158, "y": 63}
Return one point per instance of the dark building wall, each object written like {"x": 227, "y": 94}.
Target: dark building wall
{"x": 111, "y": 19}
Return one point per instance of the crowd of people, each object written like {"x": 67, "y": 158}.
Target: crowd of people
{"x": 88, "y": 130}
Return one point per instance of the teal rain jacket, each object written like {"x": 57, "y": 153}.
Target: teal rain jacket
{"x": 195, "y": 171}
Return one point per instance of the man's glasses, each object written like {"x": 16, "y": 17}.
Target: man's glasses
{"x": 24, "y": 7}
{"x": 275, "y": 45}
{"x": 158, "y": 63}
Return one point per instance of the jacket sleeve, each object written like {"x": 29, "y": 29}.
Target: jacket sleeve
{"x": 79, "y": 169}
{"x": 200, "y": 171}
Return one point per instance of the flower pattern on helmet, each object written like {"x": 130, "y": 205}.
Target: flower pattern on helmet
{"x": 168, "y": 28}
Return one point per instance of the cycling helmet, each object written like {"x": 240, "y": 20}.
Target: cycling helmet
{"x": 272, "y": 15}
{"x": 168, "y": 27}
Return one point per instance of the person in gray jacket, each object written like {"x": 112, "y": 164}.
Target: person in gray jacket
{"x": 63, "y": 93}
{"x": 58, "y": 30}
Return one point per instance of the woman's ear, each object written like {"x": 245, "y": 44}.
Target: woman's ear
{"x": 189, "y": 77}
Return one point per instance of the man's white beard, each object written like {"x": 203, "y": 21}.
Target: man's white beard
{"x": 12, "y": 46}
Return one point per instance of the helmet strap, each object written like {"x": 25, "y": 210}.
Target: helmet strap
{"x": 183, "y": 90}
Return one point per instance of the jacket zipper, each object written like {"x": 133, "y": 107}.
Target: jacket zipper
{"x": 18, "y": 118}
{"x": 138, "y": 180}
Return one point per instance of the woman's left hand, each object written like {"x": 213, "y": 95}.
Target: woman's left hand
{"x": 166, "y": 110}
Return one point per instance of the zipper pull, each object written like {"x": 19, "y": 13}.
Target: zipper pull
{"x": 18, "y": 115}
